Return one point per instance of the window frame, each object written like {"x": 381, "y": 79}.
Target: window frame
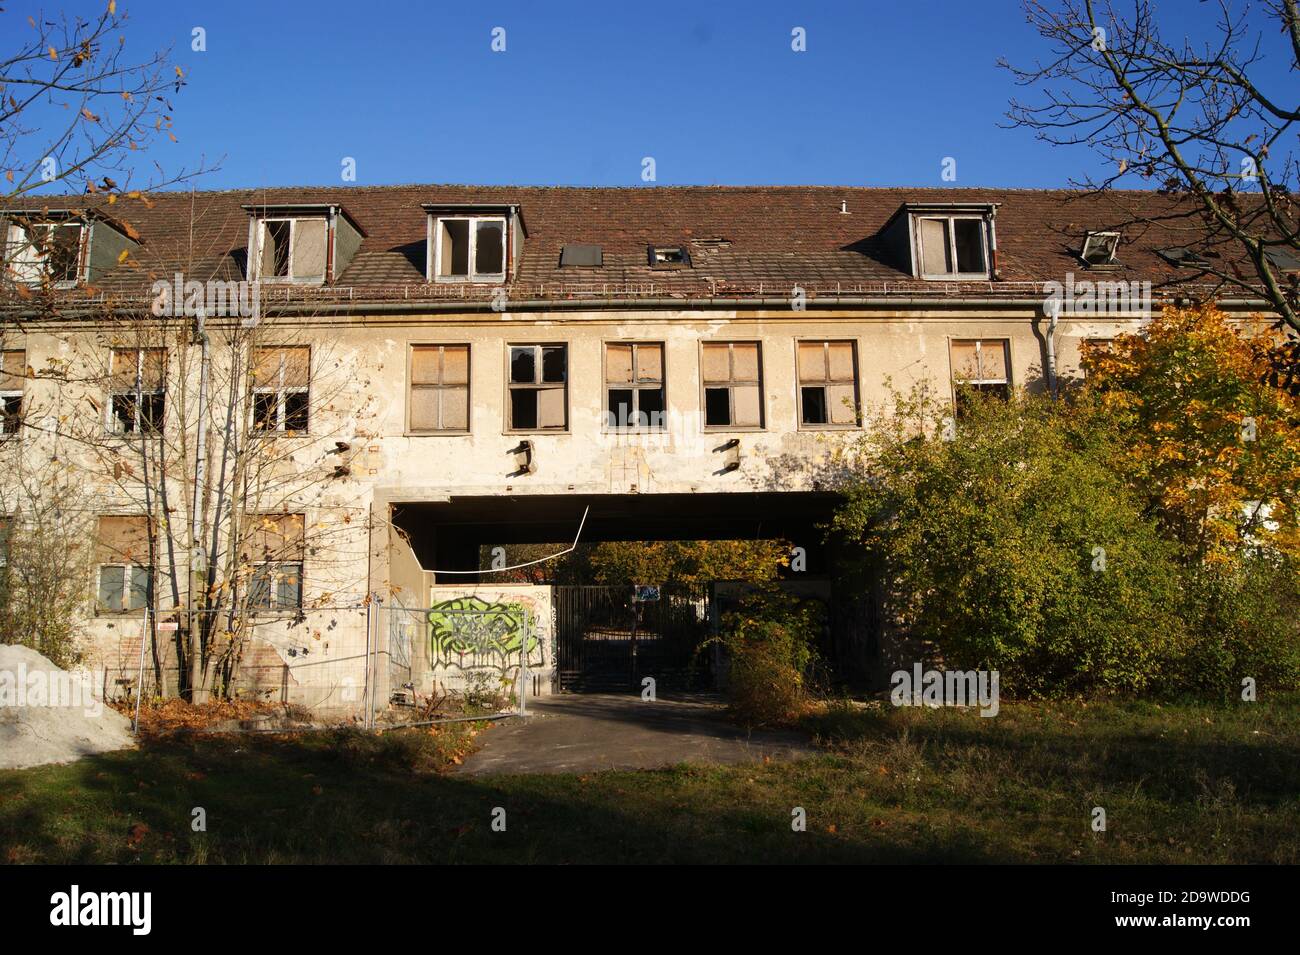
{"x": 127, "y": 569}
{"x": 138, "y": 394}
{"x": 471, "y": 277}
{"x": 856, "y": 424}
{"x": 290, "y": 278}
{"x": 83, "y": 233}
{"x": 1112, "y": 260}
{"x": 730, "y": 385}
{"x": 636, "y": 386}
{"x": 979, "y": 383}
{"x": 411, "y": 386}
{"x": 9, "y": 394}
{"x": 280, "y": 389}
{"x": 951, "y": 219}
{"x": 537, "y": 385}
{"x": 273, "y": 583}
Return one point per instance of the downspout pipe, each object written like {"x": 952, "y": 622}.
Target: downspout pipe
{"x": 1052, "y": 307}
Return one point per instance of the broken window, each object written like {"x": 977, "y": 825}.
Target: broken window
{"x": 470, "y": 249}
{"x": 439, "y": 399}
{"x": 13, "y": 368}
{"x": 292, "y": 250}
{"x": 952, "y": 247}
{"x": 276, "y": 550}
{"x": 981, "y": 366}
{"x": 634, "y": 385}
{"x": 828, "y": 393}
{"x": 44, "y": 251}
{"x": 122, "y": 557}
{"x": 538, "y": 388}
{"x": 732, "y": 376}
{"x": 1099, "y": 249}
{"x": 281, "y": 389}
{"x": 669, "y": 256}
{"x": 137, "y": 390}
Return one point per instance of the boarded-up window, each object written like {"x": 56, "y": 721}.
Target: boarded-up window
{"x": 982, "y": 365}
{"x": 137, "y": 383}
{"x": 308, "y": 258}
{"x": 828, "y": 393}
{"x": 122, "y": 557}
{"x": 281, "y": 388}
{"x": 538, "y": 386}
{"x": 634, "y": 385}
{"x": 732, "y": 375}
{"x": 13, "y": 373}
{"x": 276, "y": 549}
{"x": 439, "y": 399}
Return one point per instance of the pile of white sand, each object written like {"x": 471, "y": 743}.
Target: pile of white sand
{"x": 49, "y": 715}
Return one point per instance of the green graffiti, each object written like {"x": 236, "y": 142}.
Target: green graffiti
{"x": 469, "y": 632}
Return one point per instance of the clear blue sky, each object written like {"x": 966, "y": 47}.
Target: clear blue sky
{"x": 584, "y": 90}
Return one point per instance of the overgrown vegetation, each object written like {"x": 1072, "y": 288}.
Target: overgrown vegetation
{"x": 1138, "y": 535}
{"x": 769, "y": 641}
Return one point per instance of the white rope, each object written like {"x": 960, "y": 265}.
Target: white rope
{"x": 528, "y": 563}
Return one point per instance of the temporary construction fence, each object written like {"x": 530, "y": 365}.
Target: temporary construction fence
{"x": 359, "y": 660}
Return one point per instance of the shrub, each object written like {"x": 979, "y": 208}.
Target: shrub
{"x": 1009, "y": 541}
{"x": 1246, "y": 623}
{"x": 769, "y": 641}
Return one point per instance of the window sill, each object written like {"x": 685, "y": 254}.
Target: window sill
{"x": 437, "y": 434}
{"x": 733, "y": 429}
{"x": 282, "y": 280}
{"x": 469, "y": 280}
{"x": 803, "y": 426}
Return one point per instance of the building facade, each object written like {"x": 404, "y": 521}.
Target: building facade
{"x": 308, "y": 404}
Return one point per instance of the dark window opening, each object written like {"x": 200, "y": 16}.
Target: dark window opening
{"x": 275, "y": 256}
{"x": 523, "y": 409}
{"x": 814, "y": 406}
{"x": 717, "y": 407}
{"x": 11, "y": 407}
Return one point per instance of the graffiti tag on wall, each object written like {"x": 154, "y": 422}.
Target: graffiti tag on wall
{"x": 471, "y": 633}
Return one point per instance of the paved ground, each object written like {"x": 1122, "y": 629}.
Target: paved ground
{"x": 579, "y": 733}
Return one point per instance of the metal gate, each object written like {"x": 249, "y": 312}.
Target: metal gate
{"x": 611, "y": 638}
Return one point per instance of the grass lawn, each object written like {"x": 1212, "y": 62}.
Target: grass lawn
{"x": 1186, "y": 783}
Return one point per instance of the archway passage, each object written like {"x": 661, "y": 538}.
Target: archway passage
{"x": 609, "y": 637}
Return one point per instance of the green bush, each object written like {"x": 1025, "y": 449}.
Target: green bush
{"x": 1246, "y": 623}
{"x": 1009, "y": 541}
{"x": 769, "y": 641}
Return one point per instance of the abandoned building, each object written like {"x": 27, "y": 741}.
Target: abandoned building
{"x": 427, "y": 372}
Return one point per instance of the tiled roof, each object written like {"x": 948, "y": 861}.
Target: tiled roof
{"x": 744, "y": 241}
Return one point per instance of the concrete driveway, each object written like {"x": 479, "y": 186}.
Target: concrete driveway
{"x": 580, "y": 733}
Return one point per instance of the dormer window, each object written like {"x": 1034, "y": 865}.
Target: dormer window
{"x": 473, "y": 242}
{"x": 290, "y": 250}
{"x": 952, "y": 247}
{"x": 302, "y": 244}
{"x": 470, "y": 249}
{"x": 669, "y": 257}
{"x": 39, "y": 252}
{"x": 1099, "y": 249}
